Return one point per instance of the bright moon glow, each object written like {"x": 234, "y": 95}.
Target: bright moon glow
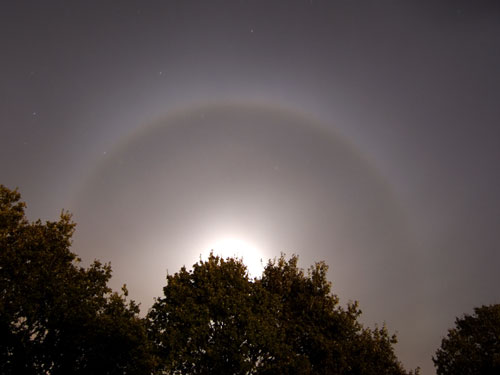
{"x": 236, "y": 248}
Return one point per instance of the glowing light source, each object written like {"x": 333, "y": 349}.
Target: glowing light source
{"x": 236, "y": 248}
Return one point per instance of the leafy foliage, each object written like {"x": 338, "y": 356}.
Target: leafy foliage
{"x": 321, "y": 336}
{"x": 214, "y": 319}
{"x": 57, "y": 317}
{"x": 206, "y": 322}
{"x": 473, "y": 346}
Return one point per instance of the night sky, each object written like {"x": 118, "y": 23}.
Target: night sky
{"x": 362, "y": 133}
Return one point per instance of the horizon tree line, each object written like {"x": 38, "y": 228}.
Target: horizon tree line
{"x": 57, "y": 317}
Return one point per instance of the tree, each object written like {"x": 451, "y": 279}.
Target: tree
{"x": 473, "y": 346}
{"x": 214, "y": 319}
{"x": 321, "y": 336}
{"x": 55, "y": 316}
{"x": 208, "y": 320}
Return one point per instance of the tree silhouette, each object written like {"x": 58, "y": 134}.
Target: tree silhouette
{"x": 473, "y": 346}
{"x": 322, "y": 337}
{"x": 57, "y": 317}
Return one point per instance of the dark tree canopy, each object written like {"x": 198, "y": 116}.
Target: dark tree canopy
{"x": 214, "y": 319}
{"x": 321, "y": 336}
{"x": 57, "y": 317}
{"x": 206, "y": 322}
{"x": 473, "y": 346}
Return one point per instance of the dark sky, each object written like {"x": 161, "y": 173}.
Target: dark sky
{"x": 362, "y": 133}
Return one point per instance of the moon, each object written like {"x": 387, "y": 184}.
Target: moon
{"x": 235, "y": 247}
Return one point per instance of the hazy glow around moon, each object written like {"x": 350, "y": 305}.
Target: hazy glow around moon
{"x": 268, "y": 177}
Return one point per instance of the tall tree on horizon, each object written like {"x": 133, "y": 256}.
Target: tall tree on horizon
{"x": 473, "y": 346}
{"x": 57, "y": 317}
